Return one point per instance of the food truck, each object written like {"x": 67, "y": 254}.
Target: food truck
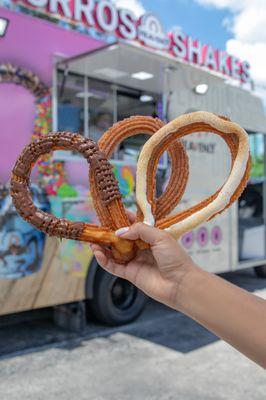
{"x": 71, "y": 66}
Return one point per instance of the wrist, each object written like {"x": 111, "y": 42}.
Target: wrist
{"x": 189, "y": 276}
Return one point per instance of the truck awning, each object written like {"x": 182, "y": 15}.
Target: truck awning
{"x": 123, "y": 64}
{"x": 136, "y": 67}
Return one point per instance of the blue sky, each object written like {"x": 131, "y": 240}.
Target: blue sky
{"x": 243, "y": 34}
{"x": 203, "y": 23}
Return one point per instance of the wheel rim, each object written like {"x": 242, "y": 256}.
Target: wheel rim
{"x": 123, "y": 294}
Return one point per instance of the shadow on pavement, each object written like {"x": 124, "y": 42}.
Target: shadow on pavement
{"x": 158, "y": 324}
{"x": 177, "y": 332}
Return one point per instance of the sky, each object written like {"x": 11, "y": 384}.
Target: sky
{"x": 191, "y": 17}
{"x": 238, "y": 26}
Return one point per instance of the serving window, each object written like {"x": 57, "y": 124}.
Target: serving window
{"x": 90, "y": 106}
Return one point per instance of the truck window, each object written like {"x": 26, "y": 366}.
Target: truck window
{"x": 251, "y": 226}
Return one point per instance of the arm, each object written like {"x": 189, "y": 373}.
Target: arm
{"x": 167, "y": 274}
{"x": 233, "y": 314}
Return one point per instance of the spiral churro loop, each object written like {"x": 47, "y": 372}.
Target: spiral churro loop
{"x": 237, "y": 140}
{"x": 104, "y": 178}
{"x": 104, "y": 188}
{"x": 179, "y": 162}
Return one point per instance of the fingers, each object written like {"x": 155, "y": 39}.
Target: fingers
{"x": 131, "y": 216}
{"x": 142, "y": 231}
{"x": 99, "y": 253}
{"x": 103, "y": 257}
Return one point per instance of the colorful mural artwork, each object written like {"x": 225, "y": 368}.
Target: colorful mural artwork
{"x": 32, "y": 264}
{"x": 21, "y": 245}
{"x": 125, "y": 176}
{"x": 78, "y": 208}
{"x": 50, "y": 175}
{"x": 74, "y": 257}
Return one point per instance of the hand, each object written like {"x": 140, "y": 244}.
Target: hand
{"x": 157, "y": 271}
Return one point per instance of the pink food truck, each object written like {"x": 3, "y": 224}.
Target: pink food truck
{"x": 71, "y": 66}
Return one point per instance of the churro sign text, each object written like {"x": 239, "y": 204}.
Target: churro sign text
{"x": 105, "y": 17}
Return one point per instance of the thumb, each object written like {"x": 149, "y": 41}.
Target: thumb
{"x": 142, "y": 231}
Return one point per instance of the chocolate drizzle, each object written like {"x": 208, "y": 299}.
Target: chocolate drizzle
{"x": 48, "y": 223}
{"x": 104, "y": 178}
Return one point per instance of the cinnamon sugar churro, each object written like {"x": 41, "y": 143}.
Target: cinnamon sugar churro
{"x": 236, "y": 139}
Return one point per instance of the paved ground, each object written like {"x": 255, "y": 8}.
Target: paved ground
{"x": 163, "y": 355}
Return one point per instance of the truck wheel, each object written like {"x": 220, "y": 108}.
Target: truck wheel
{"x": 115, "y": 300}
{"x": 260, "y": 271}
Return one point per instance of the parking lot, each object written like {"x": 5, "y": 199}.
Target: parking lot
{"x": 163, "y": 355}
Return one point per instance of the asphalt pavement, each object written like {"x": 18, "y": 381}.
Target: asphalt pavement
{"x": 161, "y": 356}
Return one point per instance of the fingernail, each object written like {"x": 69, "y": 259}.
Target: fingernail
{"x": 121, "y": 231}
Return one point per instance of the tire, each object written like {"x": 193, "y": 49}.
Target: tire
{"x": 260, "y": 271}
{"x": 115, "y": 301}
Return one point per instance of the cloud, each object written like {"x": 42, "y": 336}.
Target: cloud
{"x": 248, "y": 25}
{"x": 249, "y": 20}
{"x": 135, "y": 6}
{"x": 232, "y": 4}
{"x": 255, "y": 53}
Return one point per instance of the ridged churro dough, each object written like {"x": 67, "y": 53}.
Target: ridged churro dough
{"x": 237, "y": 140}
{"x": 179, "y": 161}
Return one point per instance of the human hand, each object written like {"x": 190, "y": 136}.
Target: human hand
{"x": 157, "y": 271}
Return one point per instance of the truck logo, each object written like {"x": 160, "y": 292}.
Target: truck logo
{"x": 150, "y": 32}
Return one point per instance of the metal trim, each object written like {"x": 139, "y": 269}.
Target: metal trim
{"x": 250, "y": 264}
